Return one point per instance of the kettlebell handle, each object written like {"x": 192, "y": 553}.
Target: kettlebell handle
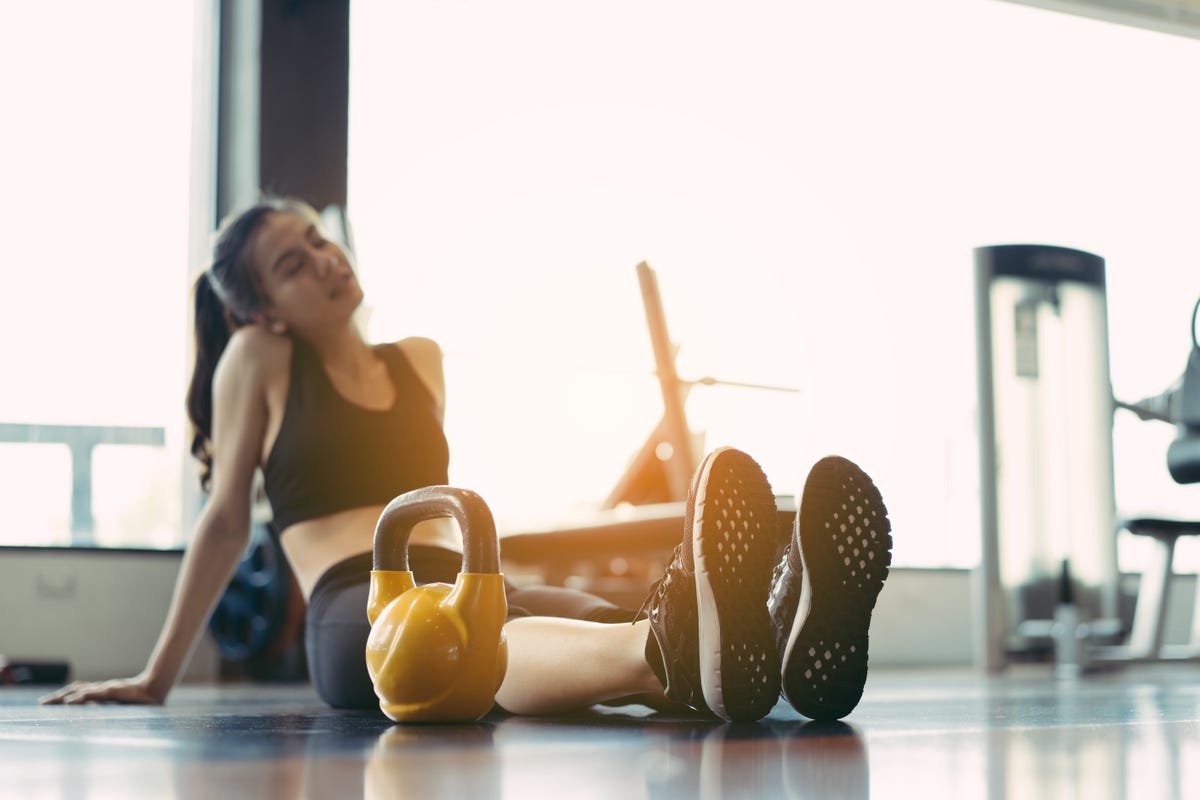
{"x": 481, "y": 548}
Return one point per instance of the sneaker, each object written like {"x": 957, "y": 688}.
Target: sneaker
{"x": 712, "y": 643}
{"x": 825, "y": 587}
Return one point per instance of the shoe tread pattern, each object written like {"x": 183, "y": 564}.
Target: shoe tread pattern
{"x": 845, "y": 538}
{"x": 737, "y": 545}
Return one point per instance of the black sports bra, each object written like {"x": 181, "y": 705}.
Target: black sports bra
{"x": 332, "y": 455}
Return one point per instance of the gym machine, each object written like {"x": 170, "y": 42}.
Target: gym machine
{"x": 1048, "y": 568}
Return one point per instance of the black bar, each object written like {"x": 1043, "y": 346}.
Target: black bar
{"x": 1043, "y": 262}
{"x": 80, "y": 434}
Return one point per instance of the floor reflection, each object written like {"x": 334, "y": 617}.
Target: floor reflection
{"x": 1124, "y": 737}
{"x": 657, "y": 760}
{"x": 1102, "y": 738}
{"x": 1118, "y": 762}
{"x": 427, "y": 761}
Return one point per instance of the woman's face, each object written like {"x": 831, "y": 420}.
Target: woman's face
{"x": 307, "y": 279}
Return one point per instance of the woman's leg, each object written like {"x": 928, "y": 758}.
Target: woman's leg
{"x": 335, "y": 635}
{"x": 557, "y": 665}
{"x": 337, "y": 628}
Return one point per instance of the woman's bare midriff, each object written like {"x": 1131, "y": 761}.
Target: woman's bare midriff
{"x": 315, "y": 545}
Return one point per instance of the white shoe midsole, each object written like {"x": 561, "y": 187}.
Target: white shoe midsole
{"x": 706, "y": 604}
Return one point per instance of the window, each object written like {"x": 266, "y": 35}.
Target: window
{"x": 97, "y": 160}
{"x": 808, "y": 180}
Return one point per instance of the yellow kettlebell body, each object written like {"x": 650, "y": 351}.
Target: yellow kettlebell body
{"x": 437, "y": 652}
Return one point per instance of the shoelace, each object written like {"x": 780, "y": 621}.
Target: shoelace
{"x": 780, "y": 590}
{"x": 658, "y": 589}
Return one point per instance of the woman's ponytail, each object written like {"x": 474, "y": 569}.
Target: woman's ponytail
{"x": 213, "y": 329}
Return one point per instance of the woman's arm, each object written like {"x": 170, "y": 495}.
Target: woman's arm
{"x": 208, "y": 563}
{"x": 219, "y": 538}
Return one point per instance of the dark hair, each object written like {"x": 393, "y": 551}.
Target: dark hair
{"x": 226, "y": 295}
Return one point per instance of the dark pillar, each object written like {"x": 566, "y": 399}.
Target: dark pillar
{"x": 304, "y": 100}
{"x": 283, "y": 101}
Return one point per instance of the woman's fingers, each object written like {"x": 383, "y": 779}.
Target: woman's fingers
{"x": 57, "y": 697}
{"x": 90, "y": 693}
{"x": 103, "y": 692}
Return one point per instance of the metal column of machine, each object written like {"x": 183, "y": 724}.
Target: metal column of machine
{"x": 1046, "y": 453}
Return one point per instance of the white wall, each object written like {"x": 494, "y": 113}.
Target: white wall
{"x": 99, "y": 610}
{"x": 923, "y": 618}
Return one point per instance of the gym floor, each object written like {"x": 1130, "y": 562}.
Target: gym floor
{"x": 1130, "y": 733}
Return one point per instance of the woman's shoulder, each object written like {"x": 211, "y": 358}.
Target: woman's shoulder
{"x": 425, "y": 356}
{"x": 420, "y": 350}
{"x": 256, "y": 350}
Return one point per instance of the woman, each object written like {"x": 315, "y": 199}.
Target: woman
{"x": 285, "y": 382}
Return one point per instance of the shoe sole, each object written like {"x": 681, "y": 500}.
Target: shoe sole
{"x": 846, "y": 548}
{"x": 735, "y": 544}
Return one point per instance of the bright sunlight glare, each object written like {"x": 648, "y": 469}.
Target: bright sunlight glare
{"x": 809, "y": 181}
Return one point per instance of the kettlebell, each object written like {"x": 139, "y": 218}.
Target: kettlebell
{"x": 436, "y": 653}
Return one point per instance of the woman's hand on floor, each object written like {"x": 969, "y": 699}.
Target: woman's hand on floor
{"x": 135, "y": 691}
